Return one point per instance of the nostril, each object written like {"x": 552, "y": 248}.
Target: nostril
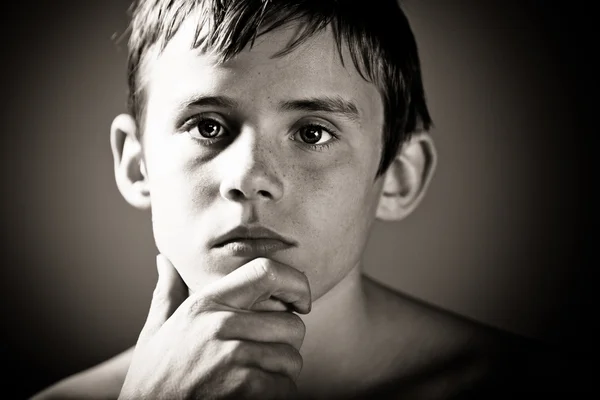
{"x": 264, "y": 193}
{"x": 239, "y": 195}
{"x": 236, "y": 194}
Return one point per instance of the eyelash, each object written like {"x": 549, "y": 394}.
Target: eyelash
{"x": 318, "y": 147}
{"x": 193, "y": 122}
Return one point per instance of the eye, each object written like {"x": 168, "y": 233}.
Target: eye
{"x": 314, "y": 134}
{"x": 207, "y": 128}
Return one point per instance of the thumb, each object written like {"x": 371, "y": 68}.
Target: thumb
{"x": 169, "y": 293}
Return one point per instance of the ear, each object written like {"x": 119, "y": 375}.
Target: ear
{"x": 407, "y": 178}
{"x": 130, "y": 170}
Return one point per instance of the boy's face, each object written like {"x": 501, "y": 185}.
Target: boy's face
{"x": 279, "y": 160}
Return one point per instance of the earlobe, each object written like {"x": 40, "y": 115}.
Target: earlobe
{"x": 407, "y": 178}
{"x": 130, "y": 170}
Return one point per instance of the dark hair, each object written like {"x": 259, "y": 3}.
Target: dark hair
{"x": 378, "y": 35}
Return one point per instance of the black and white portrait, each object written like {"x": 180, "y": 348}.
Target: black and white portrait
{"x": 269, "y": 199}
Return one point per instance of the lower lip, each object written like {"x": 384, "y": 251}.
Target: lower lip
{"x": 254, "y": 247}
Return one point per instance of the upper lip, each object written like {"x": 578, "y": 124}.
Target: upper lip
{"x": 249, "y": 233}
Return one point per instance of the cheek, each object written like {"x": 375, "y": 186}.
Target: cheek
{"x": 179, "y": 229}
{"x": 176, "y": 192}
{"x": 336, "y": 196}
{"x": 337, "y": 211}
{"x": 343, "y": 215}
{"x": 343, "y": 190}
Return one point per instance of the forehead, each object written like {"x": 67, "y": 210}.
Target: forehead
{"x": 255, "y": 75}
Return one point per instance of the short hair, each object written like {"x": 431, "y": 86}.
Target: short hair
{"x": 377, "y": 33}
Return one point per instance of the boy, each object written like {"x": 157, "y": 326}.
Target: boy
{"x": 266, "y": 137}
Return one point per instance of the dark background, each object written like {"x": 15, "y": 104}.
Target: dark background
{"x": 504, "y": 235}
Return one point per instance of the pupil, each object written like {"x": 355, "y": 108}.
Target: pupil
{"x": 311, "y": 135}
{"x": 208, "y": 129}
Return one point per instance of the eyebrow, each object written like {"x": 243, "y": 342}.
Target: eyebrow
{"x": 214, "y": 101}
{"x": 336, "y": 105}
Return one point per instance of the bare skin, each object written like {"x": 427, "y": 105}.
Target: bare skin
{"x": 425, "y": 353}
{"x": 354, "y": 337}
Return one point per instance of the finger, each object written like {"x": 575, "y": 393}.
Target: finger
{"x": 256, "y": 383}
{"x": 259, "y": 280}
{"x": 271, "y": 304}
{"x": 169, "y": 293}
{"x": 275, "y": 358}
{"x": 267, "y": 327}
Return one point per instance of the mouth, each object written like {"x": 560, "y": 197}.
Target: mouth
{"x": 252, "y": 242}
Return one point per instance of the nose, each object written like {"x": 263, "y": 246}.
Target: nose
{"x": 248, "y": 171}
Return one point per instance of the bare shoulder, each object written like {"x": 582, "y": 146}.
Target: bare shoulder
{"x": 433, "y": 353}
{"x": 103, "y": 381}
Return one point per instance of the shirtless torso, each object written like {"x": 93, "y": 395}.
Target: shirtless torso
{"x": 429, "y": 353}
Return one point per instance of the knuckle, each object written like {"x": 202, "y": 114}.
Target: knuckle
{"x": 196, "y": 306}
{"x": 253, "y": 383}
{"x": 259, "y": 384}
{"x": 297, "y": 330}
{"x": 295, "y": 360}
{"x": 221, "y": 323}
{"x": 236, "y": 351}
{"x": 243, "y": 380}
{"x": 256, "y": 383}
{"x": 228, "y": 357}
{"x": 298, "y": 325}
{"x": 245, "y": 375}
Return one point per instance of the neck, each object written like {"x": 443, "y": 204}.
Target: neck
{"x": 334, "y": 331}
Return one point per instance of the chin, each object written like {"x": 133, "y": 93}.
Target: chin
{"x": 199, "y": 270}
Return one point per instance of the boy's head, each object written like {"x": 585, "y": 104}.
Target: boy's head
{"x": 305, "y": 117}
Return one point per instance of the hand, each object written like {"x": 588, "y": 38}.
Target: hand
{"x": 214, "y": 344}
